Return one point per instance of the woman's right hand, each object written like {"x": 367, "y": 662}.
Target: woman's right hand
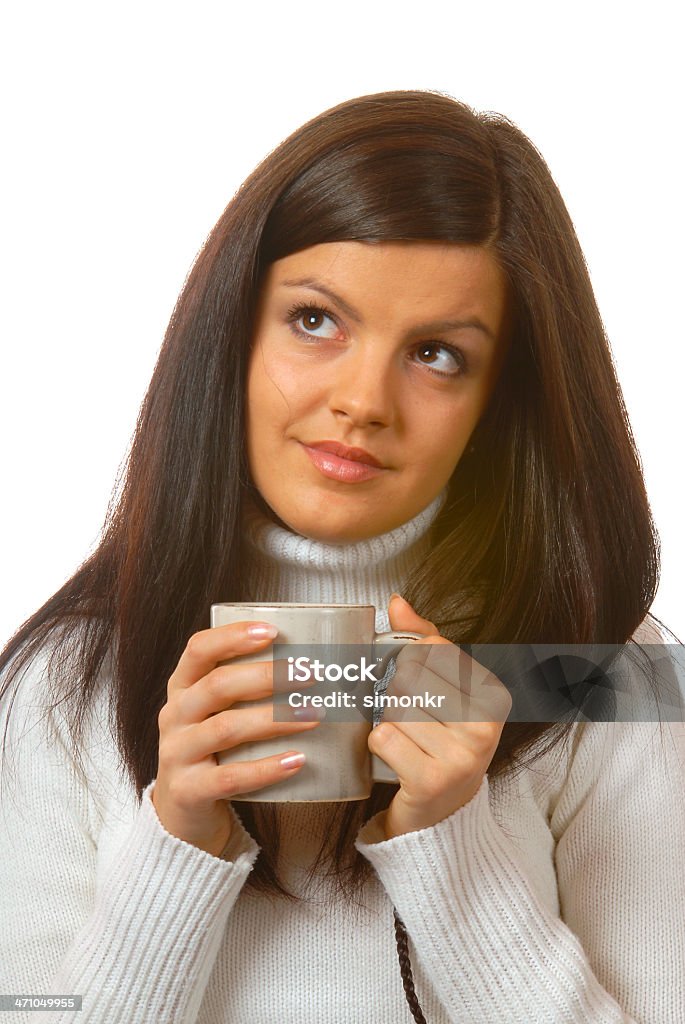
{"x": 199, "y": 720}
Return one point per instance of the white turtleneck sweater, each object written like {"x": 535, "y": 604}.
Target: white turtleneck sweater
{"x": 556, "y": 895}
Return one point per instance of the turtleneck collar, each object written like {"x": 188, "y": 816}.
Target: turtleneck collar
{"x": 285, "y": 566}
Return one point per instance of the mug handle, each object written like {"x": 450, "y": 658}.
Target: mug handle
{"x": 380, "y": 771}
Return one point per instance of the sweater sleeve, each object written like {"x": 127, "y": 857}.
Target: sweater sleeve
{"x": 138, "y": 939}
{"x": 496, "y": 954}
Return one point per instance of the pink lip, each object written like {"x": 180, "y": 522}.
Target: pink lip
{"x": 338, "y": 462}
{"x": 350, "y": 454}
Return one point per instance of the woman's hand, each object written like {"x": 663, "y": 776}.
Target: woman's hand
{"x": 440, "y": 764}
{"x": 199, "y": 720}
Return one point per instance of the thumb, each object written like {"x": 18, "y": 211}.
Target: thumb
{"x": 402, "y": 616}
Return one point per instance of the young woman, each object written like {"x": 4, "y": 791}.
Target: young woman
{"x": 386, "y": 373}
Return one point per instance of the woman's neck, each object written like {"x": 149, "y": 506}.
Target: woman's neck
{"x": 285, "y": 566}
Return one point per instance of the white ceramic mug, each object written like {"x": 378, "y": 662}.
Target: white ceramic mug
{"x": 339, "y": 765}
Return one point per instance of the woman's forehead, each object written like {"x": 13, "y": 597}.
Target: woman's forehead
{"x": 404, "y": 281}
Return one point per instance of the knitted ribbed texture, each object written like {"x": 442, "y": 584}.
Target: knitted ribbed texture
{"x": 97, "y": 899}
{"x": 496, "y": 953}
{"x": 182, "y": 893}
{"x": 145, "y": 911}
{"x": 287, "y": 567}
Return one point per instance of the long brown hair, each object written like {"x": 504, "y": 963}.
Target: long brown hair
{"x": 546, "y": 536}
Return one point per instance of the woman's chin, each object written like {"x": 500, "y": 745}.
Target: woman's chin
{"x": 330, "y": 530}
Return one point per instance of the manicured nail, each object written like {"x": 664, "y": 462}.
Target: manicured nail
{"x": 309, "y": 714}
{"x": 293, "y": 761}
{"x": 262, "y": 631}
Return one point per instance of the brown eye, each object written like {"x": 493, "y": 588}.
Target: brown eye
{"x": 312, "y": 322}
{"x": 441, "y": 358}
{"x": 428, "y": 353}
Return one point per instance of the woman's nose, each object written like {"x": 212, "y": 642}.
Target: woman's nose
{"x": 362, "y": 391}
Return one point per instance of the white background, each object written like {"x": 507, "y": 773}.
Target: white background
{"x": 127, "y": 128}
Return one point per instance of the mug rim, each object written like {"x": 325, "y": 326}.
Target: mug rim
{"x": 285, "y": 604}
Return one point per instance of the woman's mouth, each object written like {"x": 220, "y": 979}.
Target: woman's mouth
{"x": 338, "y": 462}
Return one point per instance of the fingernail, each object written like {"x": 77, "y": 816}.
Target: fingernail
{"x": 262, "y": 631}
{"x": 309, "y": 714}
{"x": 293, "y": 761}
{"x": 394, "y": 595}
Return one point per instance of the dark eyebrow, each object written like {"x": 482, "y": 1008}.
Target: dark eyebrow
{"x": 317, "y": 286}
{"x": 427, "y": 328}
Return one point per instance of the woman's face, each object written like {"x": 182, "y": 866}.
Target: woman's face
{"x": 389, "y": 349}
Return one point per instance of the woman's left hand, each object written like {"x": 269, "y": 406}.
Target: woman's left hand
{"x": 440, "y": 764}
